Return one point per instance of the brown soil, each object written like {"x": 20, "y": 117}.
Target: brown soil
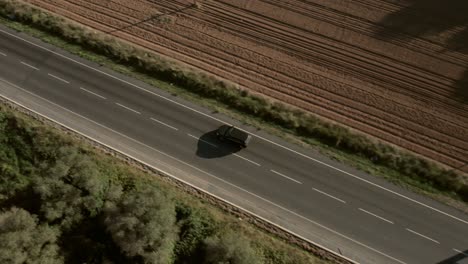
{"x": 394, "y": 69}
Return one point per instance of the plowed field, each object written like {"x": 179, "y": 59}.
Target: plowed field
{"x": 394, "y": 69}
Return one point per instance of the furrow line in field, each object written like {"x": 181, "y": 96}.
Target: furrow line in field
{"x": 274, "y": 33}
{"x": 385, "y": 82}
{"x": 367, "y": 27}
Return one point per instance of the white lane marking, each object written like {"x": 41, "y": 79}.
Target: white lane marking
{"x": 3, "y": 54}
{"x": 381, "y": 218}
{"x": 128, "y": 108}
{"x": 200, "y": 170}
{"x": 204, "y": 141}
{"x": 426, "y": 237}
{"x": 329, "y": 195}
{"x": 246, "y": 159}
{"x": 198, "y": 188}
{"x": 221, "y": 121}
{"x": 93, "y": 93}
{"x": 459, "y": 251}
{"x": 58, "y": 78}
{"x": 162, "y": 123}
{"x": 289, "y": 178}
{"x": 30, "y": 66}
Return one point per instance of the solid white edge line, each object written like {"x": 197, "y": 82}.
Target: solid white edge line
{"x": 213, "y": 176}
{"x": 128, "y": 108}
{"x": 381, "y": 218}
{"x": 221, "y": 121}
{"x": 329, "y": 195}
{"x": 3, "y": 54}
{"x": 246, "y": 159}
{"x": 204, "y": 141}
{"x": 30, "y": 66}
{"x": 421, "y": 235}
{"x": 174, "y": 177}
{"x": 93, "y": 93}
{"x": 162, "y": 123}
{"x": 58, "y": 78}
{"x": 289, "y": 178}
{"x": 459, "y": 251}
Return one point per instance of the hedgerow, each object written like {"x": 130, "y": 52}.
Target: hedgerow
{"x": 294, "y": 120}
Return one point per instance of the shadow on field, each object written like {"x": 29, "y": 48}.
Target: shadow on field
{"x": 152, "y": 18}
{"x": 210, "y": 147}
{"x": 424, "y": 18}
{"x": 457, "y": 258}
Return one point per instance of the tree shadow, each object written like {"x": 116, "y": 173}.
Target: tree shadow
{"x": 457, "y": 258}
{"x": 426, "y": 18}
{"x": 26, "y": 199}
{"x": 210, "y": 147}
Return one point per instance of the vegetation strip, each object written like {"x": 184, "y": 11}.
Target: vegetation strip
{"x": 404, "y": 167}
{"x": 75, "y": 200}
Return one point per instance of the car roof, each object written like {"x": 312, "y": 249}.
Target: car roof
{"x": 237, "y": 133}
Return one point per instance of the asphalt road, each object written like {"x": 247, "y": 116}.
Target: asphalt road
{"x": 345, "y": 210}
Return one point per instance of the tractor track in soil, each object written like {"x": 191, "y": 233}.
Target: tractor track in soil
{"x": 332, "y": 64}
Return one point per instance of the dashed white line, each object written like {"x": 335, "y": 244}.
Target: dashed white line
{"x": 93, "y": 93}
{"x": 329, "y": 195}
{"x": 426, "y": 237}
{"x": 196, "y": 168}
{"x": 30, "y": 66}
{"x": 162, "y": 123}
{"x": 3, "y": 54}
{"x": 381, "y": 218}
{"x": 58, "y": 78}
{"x": 246, "y": 159}
{"x": 459, "y": 251}
{"x": 204, "y": 141}
{"x": 221, "y": 121}
{"x": 128, "y": 108}
{"x": 289, "y": 178}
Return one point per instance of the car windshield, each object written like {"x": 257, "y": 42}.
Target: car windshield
{"x": 239, "y": 134}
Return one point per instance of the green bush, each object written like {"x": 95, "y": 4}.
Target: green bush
{"x": 23, "y": 241}
{"x": 194, "y": 227}
{"x": 70, "y": 188}
{"x": 230, "y": 248}
{"x": 142, "y": 224}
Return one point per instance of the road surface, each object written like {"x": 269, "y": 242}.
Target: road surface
{"x": 345, "y": 210}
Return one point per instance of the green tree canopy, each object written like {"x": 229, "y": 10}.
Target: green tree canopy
{"x": 230, "y": 248}
{"x": 22, "y": 240}
{"x": 71, "y": 188}
{"x": 143, "y": 225}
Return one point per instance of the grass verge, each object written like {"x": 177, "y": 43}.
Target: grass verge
{"x": 380, "y": 159}
{"x": 34, "y": 152}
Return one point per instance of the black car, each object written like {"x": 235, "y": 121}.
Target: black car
{"x": 233, "y": 134}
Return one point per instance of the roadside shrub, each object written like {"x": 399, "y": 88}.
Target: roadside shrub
{"x": 303, "y": 124}
{"x": 22, "y": 240}
{"x": 230, "y": 248}
{"x": 194, "y": 227}
{"x": 70, "y": 188}
{"x": 142, "y": 224}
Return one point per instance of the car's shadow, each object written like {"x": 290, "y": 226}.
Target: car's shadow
{"x": 209, "y": 146}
